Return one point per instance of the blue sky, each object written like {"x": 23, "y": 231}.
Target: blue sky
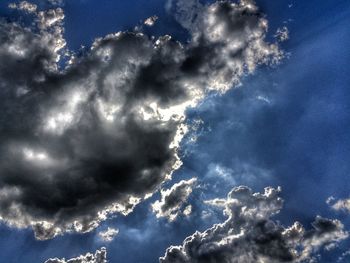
{"x": 286, "y": 125}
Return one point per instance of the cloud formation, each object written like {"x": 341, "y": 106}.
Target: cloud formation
{"x": 250, "y": 235}
{"x": 151, "y": 20}
{"x": 339, "y": 205}
{"x": 109, "y": 234}
{"x": 101, "y": 134}
{"x": 282, "y": 34}
{"x": 100, "y": 256}
{"x": 173, "y": 199}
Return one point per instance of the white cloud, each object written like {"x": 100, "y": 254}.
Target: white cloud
{"x": 100, "y": 256}
{"x": 282, "y": 34}
{"x": 24, "y": 6}
{"x": 109, "y": 234}
{"x": 339, "y": 205}
{"x": 151, "y": 20}
{"x": 173, "y": 199}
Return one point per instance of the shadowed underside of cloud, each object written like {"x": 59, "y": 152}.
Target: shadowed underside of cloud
{"x": 100, "y": 256}
{"x": 250, "y": 235}
{"x": 100, "y": 135}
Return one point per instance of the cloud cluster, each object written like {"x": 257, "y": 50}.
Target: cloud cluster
{"x": 250, "y": 235}
{"x": 100, "y": 256}
{"x": 173, "y": 200}
{"x": 101, "y": 134}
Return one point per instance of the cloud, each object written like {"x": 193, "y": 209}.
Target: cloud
{"x": 56, "y": 2}
{"x": 109, "y": 234}
{"x": 151, "y": 20}
{"x": 250, "y": 235}
{"x": 173, "y": 199}
{"x": 99, "y": 257}
{"x": 185, "y": 12}
{"x": 101, "y": 134}
{"x": 339, "y": 205}
{"x": 24, "y": 6}
{"x": 282, "y": 34}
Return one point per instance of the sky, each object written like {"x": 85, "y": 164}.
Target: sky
{"x": 206, "y": 146}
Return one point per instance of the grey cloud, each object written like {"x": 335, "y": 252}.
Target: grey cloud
{"x": 100, "y": 256}
{"x": 173, "y": 199}
{"x": 185, "y": 12}
{"x": 250, "y": 235}
{"x": 100, "y": 135}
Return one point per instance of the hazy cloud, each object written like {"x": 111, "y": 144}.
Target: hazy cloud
{"x": 250, "y": 235}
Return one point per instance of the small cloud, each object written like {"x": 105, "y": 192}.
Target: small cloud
{"x": 173, "y": 199}
{"x": 188, "y": 210}
{"x": 151, "y": 20}
{"x": 100, "y": 256}
{"x": 264, "y": 99}
{"x": 24, "y": 6}
{"x": 56, "y": 2}
{"x": 109, "y": 234}
{"x": 339, "y": 205}
{"x": 282, "y": 34}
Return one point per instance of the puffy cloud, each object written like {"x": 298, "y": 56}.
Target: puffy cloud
{"x": 102, "y": 134}
{"x": 151, "y": 20}
{"x": 173, "y": 200}
{"x": 188, "y": 210}
{"x": 282, "y": 34}
{"x": 24, "y": 6}
{"x": 109, "y": 234}
{"x": 50, "y": 17}
{"x": 339, "y": 205}
{"x": 100, "y": 256}
{"x": 250, "y": 235}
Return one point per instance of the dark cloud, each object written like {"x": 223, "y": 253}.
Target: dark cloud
{"x": 100, "y": 135}
{"x": 173, "y": 200}
{"x": 250, "y": 235}
{"x": 100, "y": 256}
